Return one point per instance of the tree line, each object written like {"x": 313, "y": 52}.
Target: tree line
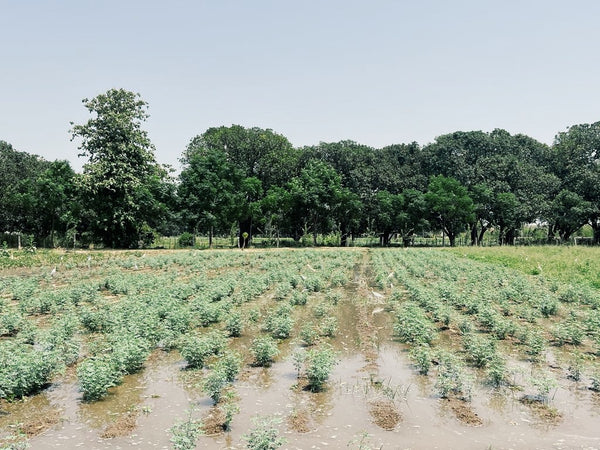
{"x": 254, "y": 179}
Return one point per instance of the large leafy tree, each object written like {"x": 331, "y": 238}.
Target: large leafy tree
{"x": 262, "y": 157}
{"x": 577, "y": 164}
{"x": 450, "y": 205}
{"x": 119, "y": 207}
{"x": 57, "y": 199}
{"x": 316, "y": 197}
{"x": 209, "y": 191}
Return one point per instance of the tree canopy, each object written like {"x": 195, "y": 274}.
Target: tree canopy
{"x": 246, "y": 180}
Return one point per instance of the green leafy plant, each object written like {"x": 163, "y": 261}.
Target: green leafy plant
{"x": 421, "y": 355}
{"x": 96, "y": 375}
{"x": 185, "y": 434}
{"x": 318, "y": 364}
{"x": 264, "y": 350}
{"x": 234, "y": 324}
{"x": 264, "y": 434}
{"x": 214, "y": 384}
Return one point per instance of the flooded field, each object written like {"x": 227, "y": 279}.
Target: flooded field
{"x": 493, "y": 362}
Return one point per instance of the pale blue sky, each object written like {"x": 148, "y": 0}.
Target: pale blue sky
{"x": 377, "y": 72}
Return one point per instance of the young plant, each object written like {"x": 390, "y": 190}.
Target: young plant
{"x": 318, "y": 365}
{"x": 329, "y": 326}
{"x": 264, "y": 350}
{"x": 214, "y": 384}
{"x": 421, "y": 356}
{"x": 234, "y": 324}
{"x": 96, "y": 375}
{"x": 264, "y": 435}
{"x": 308, "y": 334}
{"x": 229, "y": 364}
{"x": 185, "y": 434}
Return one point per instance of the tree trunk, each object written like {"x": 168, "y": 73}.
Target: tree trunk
{"x": 452, "y": 239}
{"x": 344, "y": 239}
{"x": 474, "y": 234}
{"x": 481, "y": 233}
{"x": 210, "y": 237}
{"x": 596, "y": 227}
{"x": 245, "y": 227}
{"x": 384, "y": 239}
{"x": 510, "y": 236}
{"x": 551, "y": 233}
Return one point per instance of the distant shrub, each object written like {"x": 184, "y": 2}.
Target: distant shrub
{"x": 186, "y": 240}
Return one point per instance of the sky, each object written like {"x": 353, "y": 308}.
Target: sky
{"x": 375, "y": 72}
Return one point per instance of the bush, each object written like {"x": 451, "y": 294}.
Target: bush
{"x": 234, "y": 324}
{"x": 196, "y": 350}
{"x": 479, "y": 349}
{"x": 264, "y": 350}
{"x": 329, "y": 327}
{"x": 186, "y": 240}
{"x": 308, "y": 334}
{"x": 24, "y": 370}
{"x": 185, "y": 434}
{"x": 413, "y": 326}
{"x": 421, "y": 356}
{"x": 129, "y": 353}
{"x": 318, "y": 365}
{"x": 229, "y": 364}
{"x": 96, "y": 375}
{"x": 214, "y": 384}
{"x": 264, "y": 435}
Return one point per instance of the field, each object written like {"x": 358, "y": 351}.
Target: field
{"x": 482, "y": 348}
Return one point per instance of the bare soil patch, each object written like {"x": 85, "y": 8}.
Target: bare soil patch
{"x": 463, "y": 412}
{"x": 123, "y": 426}
{"x": 542, "y": 410}
{"x": 299, "y": 420}
{"x": 214, "y": 422}
{"x": 385, "y": 414}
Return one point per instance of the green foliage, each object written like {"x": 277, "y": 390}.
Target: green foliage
{"x": 496, "y": 371}
{"x": 264, "y": 434}
{"x": 197, "y": 349}
{"x": 185, "y": 434}
{"x": 309, "y": 334}
{"x": 214, "y": 384}
{"x": 328, "y": 326}
{"x": 25, "y": 370}
{"x": 121, "y": 179}
{"x": 264, "y": 350}
{"x": 234, "y": 324}
{"x": 186, "y": 240}
{"x": 451, "y": 378}
{"x": 229, "y": 364}
{"x": 421, "y": 355}
{"x": 280, "y": 322}
{"x": 450, "y": 205}
{"x": 318, "y": 364}
{"x": 480, "y": 350}
{"x": 129, "y": 353}
{"x": 413, "y": 326}
{"x": 96, "y": 375}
